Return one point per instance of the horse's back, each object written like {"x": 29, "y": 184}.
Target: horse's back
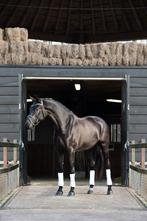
{"x": 96, "y": 121}
{"x": 100, "y": 125}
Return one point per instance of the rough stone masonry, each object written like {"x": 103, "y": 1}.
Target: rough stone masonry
{"x": 17, "y": 48}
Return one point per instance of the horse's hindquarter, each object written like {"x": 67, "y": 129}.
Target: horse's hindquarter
{"x": 86, "y": 132}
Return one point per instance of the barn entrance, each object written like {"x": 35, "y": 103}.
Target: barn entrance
{"x": 100, "y": 97}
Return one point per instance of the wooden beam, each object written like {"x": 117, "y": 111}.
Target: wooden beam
{"x": 136, "y": 15}
{"x": 13, "y": 14}
{"x": 103, "y": 17}
{"x": 81, "y": 31}
{"x": 126, "y": 22}
{"x": 5, "y": 154}
{"x": 58, "y": 21}
{"x": 48, "y": 16}
{"x": 81, "y": 17}
{"x": 68, "y": 19}
{"x": 144, "y": 6}
{"x": 113, "y": 15}
{"x": 142, "y": 159}
{"x": 15, "y": 152}
{"x": 27, "y": 12}
{"x": 92, "y": 17}
{"x": 3, "y": 10}
{"x": 36, "y": 16}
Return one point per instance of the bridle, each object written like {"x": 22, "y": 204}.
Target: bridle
{"x": 33, "y": 119}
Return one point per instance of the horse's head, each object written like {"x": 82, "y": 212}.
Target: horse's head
{"x": 36, "y": 114}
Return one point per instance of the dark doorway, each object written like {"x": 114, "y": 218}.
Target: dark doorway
{"x": 90, "y": 100}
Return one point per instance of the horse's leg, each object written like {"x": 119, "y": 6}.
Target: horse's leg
{"x": 105, "y": 149}
{"x": 91, "y": 161}
{"x": 71, "y": 154}
{"x": 60, "y": 174}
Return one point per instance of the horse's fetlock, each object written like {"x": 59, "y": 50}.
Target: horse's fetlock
{"x": 109, "y": 190}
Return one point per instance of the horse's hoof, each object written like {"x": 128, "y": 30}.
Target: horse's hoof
{"x": 59, "y": 193}
{"x": 90, "y": 192}
{"x": 71, "y": 193}
{"x": 109, "y": 192}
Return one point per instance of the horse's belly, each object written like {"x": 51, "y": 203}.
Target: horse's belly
{"x": 86, "y": 142}
{"x": 84, "y": 136}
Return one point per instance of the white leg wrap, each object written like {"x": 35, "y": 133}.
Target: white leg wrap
{"x": 60, "y": 179}
{"x": 92, "y": 177}
{"x": 72, "y": 180}
{"x": 108, "y": 177}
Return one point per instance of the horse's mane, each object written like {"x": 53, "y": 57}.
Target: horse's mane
{"x": 69, "y": 120}
{"x": 57, "y": 102}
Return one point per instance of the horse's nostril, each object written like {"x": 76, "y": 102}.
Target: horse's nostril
{"x": 28, "y": 122}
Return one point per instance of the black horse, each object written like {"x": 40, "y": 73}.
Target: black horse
{"x": 73, "y": 134}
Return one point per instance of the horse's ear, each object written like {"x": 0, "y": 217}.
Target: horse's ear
{"x": 36, "y": 99}
{"x": 32, "y": 98}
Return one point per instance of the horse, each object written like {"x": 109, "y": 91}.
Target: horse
{"x": 73, "y": 134}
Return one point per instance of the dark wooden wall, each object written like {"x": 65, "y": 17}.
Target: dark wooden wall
{"x": 9, "y": 105}
{"x": 138, "y": 108}
{"x": 9, "y": 94}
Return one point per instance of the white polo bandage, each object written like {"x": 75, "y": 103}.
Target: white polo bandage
{"x": 108, "y": 177}
{"x": 60, "y": 179}
{"x": 92, "y": 177}
{"x": 72, "y": 180}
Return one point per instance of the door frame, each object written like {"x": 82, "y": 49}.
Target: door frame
{"x": 125, "y": 109}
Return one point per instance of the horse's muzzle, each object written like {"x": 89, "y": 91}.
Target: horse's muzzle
{"x": 29, "y": 124}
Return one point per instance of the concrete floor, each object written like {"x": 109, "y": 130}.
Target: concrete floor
{"x": 37, "y": 202}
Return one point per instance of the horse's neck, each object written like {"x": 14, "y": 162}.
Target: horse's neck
{"x": 58, "y": 114}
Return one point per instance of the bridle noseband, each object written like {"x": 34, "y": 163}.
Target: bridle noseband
{"x": 33, "y": 118}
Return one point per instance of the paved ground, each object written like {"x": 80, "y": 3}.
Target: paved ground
{"x": 37, "y": 202}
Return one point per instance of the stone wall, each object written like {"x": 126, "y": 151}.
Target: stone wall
{"x": 16, "y": 48}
